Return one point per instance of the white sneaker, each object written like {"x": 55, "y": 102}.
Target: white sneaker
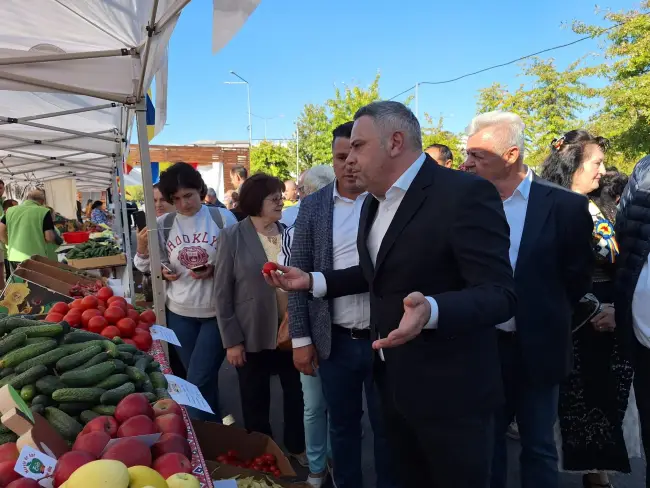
{"x": 317, "y": 480}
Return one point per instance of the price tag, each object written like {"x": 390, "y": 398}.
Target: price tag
{"x": 34, "y": 464}
{"x": 225, "y": 484}
{"x": 186, "y": 393}
{"x": 158, "y": 332}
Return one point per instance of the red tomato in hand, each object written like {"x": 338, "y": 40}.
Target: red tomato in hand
{"x": 126, "y": 326}
{"x": 89, "y": 302}
{"x": 60, "y": 307}
{"x": 104, "y": 293}
{"x": 269, "y": 267}
{"x": 97, "y": 324}
{"x": 142, "y": 340}
{"x": 148, "y": 316}
{"x": 73, "y": 319}
{"x": 114, "y": 314}
{"x": 87, "y": 315}
{"x": 110, "y": 332}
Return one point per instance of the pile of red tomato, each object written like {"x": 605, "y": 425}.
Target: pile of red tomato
{"x": 107, "y": 315}
{"x": 266, "y": 463}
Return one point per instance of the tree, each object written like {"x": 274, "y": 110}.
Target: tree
{"x": 438, "y": 135}
{"x": 272, "y": 159}
{"x": 135, "y": 193}
{"x": 345, "y": 104}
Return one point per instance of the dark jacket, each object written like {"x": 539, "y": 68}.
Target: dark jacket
{"x": 633, "y": 235}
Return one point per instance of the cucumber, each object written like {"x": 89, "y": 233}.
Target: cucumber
{"x": 77, "y": 359}
{"x": 28, "y": 377}
{"x": 114, "y": 396}
{"x": 38, "y": 408}
{"x": 77, "y": 335}
{"x": 49, "y": 330}
{"x": 151, "y": 397}
{"x": 14, "y": 322}
{"x": 120, "y": 367}
{"x": 146, "y": 386}
{"x": 44, "y": 400}
{"x": 110, "y": 348}
{"x": 17, "y": 356}
{"x": 47, "y": 359}
{"x": 126, "y": 357}
{"x": 102, "y": 357}
{"x": 63, "y": 423}
{"x": 78, "y": 395}
{"x": 4, "y": 430}
{"x": 48, "y": 385}
{"x": 28, "y": 392}
{"x": 11, "y": 342}
{"x": 136, "y": 375}
{"x": 75, "y": 408}
{"x": 113, "y": 381}
{"x": 142, "y": 363}
{"x": 7, "y": 379}
{"x": 162, "y": 393}
{"x": 89, "y": 376}
{"x": 33, "y": 340}
{"x": 7, "y": 438}
{"x": 130, "y": 348}
{"x": 117, "y": 340}
{"x": 87, "y": 415}
{"x": 158, "y": 380}
{"x": 6, "y": 372}
{"x": 154, "y": 366}
{"x": 104, "y": 410}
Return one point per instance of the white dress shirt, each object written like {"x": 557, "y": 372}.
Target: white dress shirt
{"x": 386, "y": 210}
{"x": 641, "y": 306}
{"x": 515, "y": 208}
{"x": 290, "y": 214}
{"x": 353, "y": 311}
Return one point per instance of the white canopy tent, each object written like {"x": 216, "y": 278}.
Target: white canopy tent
{"x": 73, "y": 73}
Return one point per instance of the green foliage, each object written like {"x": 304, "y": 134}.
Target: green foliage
{"x": 134, "y": 193}
{"x": 272, "y": 159}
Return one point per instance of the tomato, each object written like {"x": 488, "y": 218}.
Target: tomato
{"x": 133, "y": 315}
{"x": 114, "y": 314}
{"x": 268, "y": 458}
{"x": 110, "y": 332}
{"x": 77, "y": 304}
{"x": 222, "y": 459}
{"x": 75, "y": 311}
{"x": 73, "y": 319}
{"x": 144, "y": 325}
{"x": 89, "y": 302}
{"x": 129, "y": 341}
{"x": 104, "y": 293}
{"x": 101, "y": 309}
{"x": 60, "y": 307}
{"x": 269, "y": 267}
{"x": 101, "y": 303}
{"x": 126, "y": 326}
{"x": 142, "y": 340}
{"x": 130, "y": 307}
{"x": 148, "y": 316}
{"x": 97, "y": 324}
{"x": 89, "y": 314}
{"x": 233, "y": 454}
{"x": 114, "y": 299}
{"x": 53, "y": 317}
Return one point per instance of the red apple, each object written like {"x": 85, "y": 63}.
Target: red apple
{"x": 104, "y": 423}
{"x": 171, "y": 424}
{"x": 8, "y": 452}
{"x": 24, "y": 483}
{"x": 138, "y": 425}
{"x": 132, "y": 406}
{"x": 171, "y": 443}
{"x": 166, "y": 406}
{"x": 172, "y": 463}
{"x": 92, "y": 442}
{"x": 131, "y": 452}
{"x": 68, "y": 464}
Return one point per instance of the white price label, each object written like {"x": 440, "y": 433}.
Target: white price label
{"x": 186, "y": 393}
{"x": 158, "y": 332}
{"x": 225, "y": 483}
{"x": 34, "y": 464}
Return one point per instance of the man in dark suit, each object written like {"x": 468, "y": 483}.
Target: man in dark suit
{"x": 433, "y": 251}
{"x": 551, "y": 255}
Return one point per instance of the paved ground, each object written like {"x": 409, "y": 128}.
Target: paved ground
{"x": 230, "y": 401}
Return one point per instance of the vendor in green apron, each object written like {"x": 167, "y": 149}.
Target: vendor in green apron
{"x": 3, "y": 248}
{"x": 53, "y": 246}
{"x": 27, "y": 228}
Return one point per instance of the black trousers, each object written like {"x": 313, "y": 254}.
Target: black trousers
{"x": 642, "y": 392}
{"x": 255, "y": 391}
{"x": 436, "y": 452}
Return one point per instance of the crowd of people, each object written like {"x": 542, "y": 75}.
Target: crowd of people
{"x": 457, "y": 302}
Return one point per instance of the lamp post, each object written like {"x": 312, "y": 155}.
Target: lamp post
{"x": 248, "y": 93}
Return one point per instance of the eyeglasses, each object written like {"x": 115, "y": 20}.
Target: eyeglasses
{"x": 276, "y": 200}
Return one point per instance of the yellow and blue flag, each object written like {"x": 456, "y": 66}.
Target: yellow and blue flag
{"x": 151, "y": 116}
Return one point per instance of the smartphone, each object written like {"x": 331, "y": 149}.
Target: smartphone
{"x": 140, "y": 219}
{"x": 199, "y": 269}
{"x": 167, "y": 268}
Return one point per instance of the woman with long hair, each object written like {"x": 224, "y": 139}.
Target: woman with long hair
{"x": 595, "y": 396}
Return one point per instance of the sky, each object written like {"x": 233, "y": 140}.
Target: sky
{"x": 295, "y": 52}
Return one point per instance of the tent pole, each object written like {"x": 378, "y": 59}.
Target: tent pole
{"x": 127, "y": 231}
{"x": 61, "y": 129}
{"x": 116, "y": 209}
{"x": 151, "y": 28}
{"x": 45, "y": 142}
{"x": 150, "y": 211}
{"x": 65, "y": 112}
{"x": 47, "y": 58}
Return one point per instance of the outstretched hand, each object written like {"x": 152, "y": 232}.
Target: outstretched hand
{"x": 417, "y": 312}
{"x": 288, "y": 278}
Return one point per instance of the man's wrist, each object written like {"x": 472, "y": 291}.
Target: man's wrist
{"x": 311, "y": 282}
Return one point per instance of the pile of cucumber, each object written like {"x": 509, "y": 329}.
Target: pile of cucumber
{"x": 70, "y": 375}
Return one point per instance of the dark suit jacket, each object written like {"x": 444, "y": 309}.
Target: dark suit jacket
{"x": 553, "y": 271}
{"x": 449, "y": 239}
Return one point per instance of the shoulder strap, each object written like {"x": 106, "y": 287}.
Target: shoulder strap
{"x": 216, "y": 216}
{"x": 168, "y": 223}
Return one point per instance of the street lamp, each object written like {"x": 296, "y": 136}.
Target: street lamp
{"x": 248, "y": 92}
{"x": 265, "y": 119}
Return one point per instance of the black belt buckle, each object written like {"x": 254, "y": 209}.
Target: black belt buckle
{"x": 358, "y": 334}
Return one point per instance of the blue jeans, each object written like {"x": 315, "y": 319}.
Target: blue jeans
{"x": 345, "y": 374}
{"x": 535, "y": 408}
{"x": 201, "y": 353}
{"x": 317, "y": 437}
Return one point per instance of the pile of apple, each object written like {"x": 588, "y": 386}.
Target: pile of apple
{"x": 108, "y": 315}
{"x": 134, "y": 416}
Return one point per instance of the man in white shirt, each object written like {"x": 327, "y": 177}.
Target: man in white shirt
{"x": 633, "y": 288}
{"x": 331, "y": 338}
{"x": 433, "y": 255}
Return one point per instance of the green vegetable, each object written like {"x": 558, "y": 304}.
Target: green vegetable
{"x": 142, "y": 363}
{"x": 155, "y": 366}
{"x": 77, "y": 395}
{"x": 48, "y": 385}
{"x": 7, "y": 379}
{"x": 28, "y": 377}
{"x": 88, "y": 376}
{"x": 162, "y": 393}
{"x": 49, "y": 330}
{"x": 87, "y": 415}
{"x": 114, "y": 396}
{"x": 151, "y": 397}
{"x": 17, "y": 356}
{"x": 78, "y": 335}
{"x": 120, "y": 367}
{"x": 146, "y": 386}
{"x": 14, "y": 322}
{"x": 130, "y": 348}
{"x": 33, "y": 340}
{"x": 126, "y": 357}
{"x": 110, "y": 348}
{"x": 7, "y": 438}
{"x": 63, "y": 423}
{"x": 113, "y": 381}
{"x": 44, "y": 400}
{"x": 117, "y": 340}
{"x": 38, "y": 408}
{"x": 77, "y": 359}
{"x": 158, "y": 380}
{"x": 47, "y": 359}
{"x": 28, "y": 392}
{"x": 136, "y": 375}
{"x": 75, "y": 408}
{"x": 11, "y": 342}
{"x": 104, "y": 410}
{"x": 6, "y": 372}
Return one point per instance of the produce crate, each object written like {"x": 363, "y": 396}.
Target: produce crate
{"x": 58, "y": 273}
{"x": 96, "y": 263}
{"x": 33, "y": 293}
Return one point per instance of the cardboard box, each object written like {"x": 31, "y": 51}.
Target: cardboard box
{"x": 30, "y": 292}
{"x": 216, "y": 440}
{"x": 96, "y": 263}
{"x": 54, "y": 264}
{"x": 217, "y": 471}
{"x": 57, "y": 273}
